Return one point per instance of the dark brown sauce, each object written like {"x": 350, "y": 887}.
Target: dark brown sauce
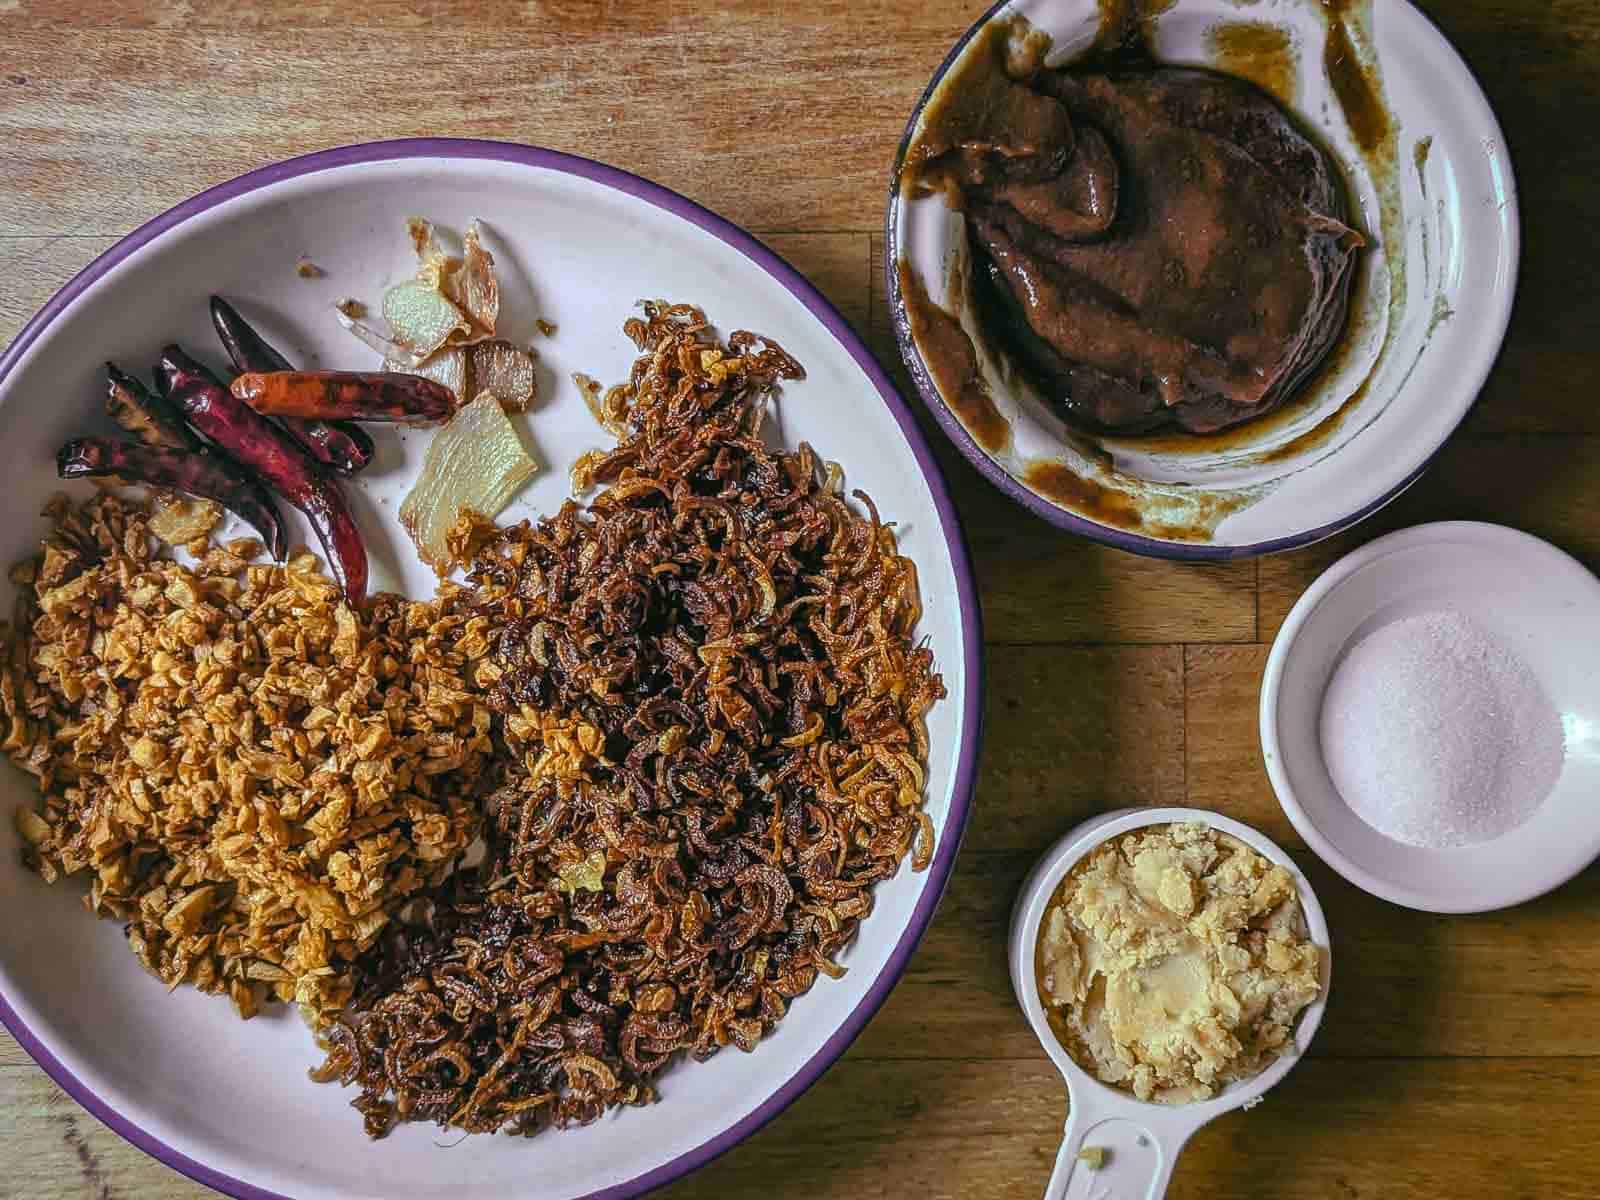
{"x": 1263, "y": 54}
{"x": 952, "y": 362}
{"x": 1419, "y": 155}
{"x": 1354, "y": 84}
{"x": 1358, "y": 88}
{"x": 1057, "y": 482}
{"x": 1127, "y": 26}
{"x": 1420, "y": 152}
{"x": 1321, "y": 432}
{"x": 1001, "y": 49}
{"x": 1116, "y": 23}
{"x": 1236, "y": 438}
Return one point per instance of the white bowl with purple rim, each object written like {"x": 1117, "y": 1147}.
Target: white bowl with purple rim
{"x": 228, "y": 1102}
{"x": 1543, "y": 607}
{"x": 1429, "y": 311}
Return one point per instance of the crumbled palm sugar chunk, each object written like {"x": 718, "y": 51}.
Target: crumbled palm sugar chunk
{"x": 1174, "y": 960}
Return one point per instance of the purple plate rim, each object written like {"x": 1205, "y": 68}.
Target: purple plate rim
{"x": 1109, "y": 535}
{"x": 797, "y": 285}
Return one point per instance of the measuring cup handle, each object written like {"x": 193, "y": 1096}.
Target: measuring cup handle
{"x": 1138, "y": 1162}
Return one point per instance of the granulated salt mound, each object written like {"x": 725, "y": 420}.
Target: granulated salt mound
{"x": 1437, "y": 734}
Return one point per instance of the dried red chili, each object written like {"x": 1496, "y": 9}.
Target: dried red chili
{"x": 713, "y": 716}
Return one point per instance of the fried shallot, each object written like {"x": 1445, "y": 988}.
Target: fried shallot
{"x": 714, "y": 710}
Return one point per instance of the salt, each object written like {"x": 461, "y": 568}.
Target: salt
{"x": 1437, "y": 734}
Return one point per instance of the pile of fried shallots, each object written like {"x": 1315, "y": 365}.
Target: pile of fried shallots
{"x": 713, "y": 714}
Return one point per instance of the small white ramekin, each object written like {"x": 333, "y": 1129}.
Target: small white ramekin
{"x": 1543, "y": 604}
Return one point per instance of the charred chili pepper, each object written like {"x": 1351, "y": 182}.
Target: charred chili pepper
{"x": 337, "y": 444}
{"x": 195, "y": 472}
{"x": 149, "y": 417}
{"x": 271, "y": 454}
{"x": 347, "y": 395}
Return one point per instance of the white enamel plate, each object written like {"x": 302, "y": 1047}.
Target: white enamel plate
{"x": 226, "y": 1101}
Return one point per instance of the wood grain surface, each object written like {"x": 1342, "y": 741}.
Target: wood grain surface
{"x": 1458, "y": 1055}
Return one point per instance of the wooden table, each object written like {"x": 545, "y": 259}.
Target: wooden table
{"x": 1458, "y": 1055}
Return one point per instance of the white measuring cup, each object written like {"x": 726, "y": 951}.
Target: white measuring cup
{"x": 1140, "y": 1140}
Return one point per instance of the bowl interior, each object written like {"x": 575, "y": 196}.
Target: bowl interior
{"x": 1542, "y": 604}
{"x": 578, "y": 251}
{"x": 1435, "y": 200}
